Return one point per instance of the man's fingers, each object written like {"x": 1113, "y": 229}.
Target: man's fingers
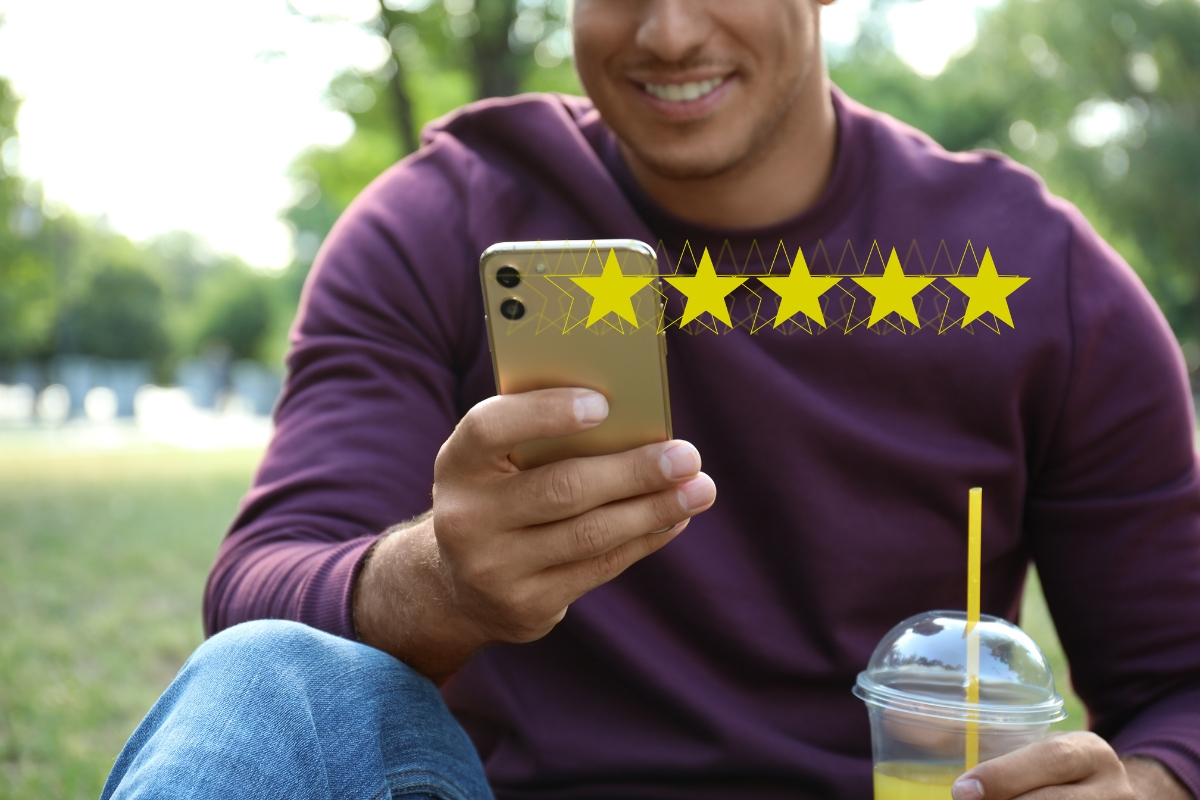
{"x": 602, "y": 529}
{"x": 578, "y": 578}
{"x": 491, "y": 429}
{"x": 568, "y": 488}
{"x": 1052, "y": 762}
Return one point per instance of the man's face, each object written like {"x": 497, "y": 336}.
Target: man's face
{"x": 694, "y": 87}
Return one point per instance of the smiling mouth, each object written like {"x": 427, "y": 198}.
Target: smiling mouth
{"x": 683, "y": 92}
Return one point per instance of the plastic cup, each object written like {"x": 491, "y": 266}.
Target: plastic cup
{"x": 915, "y": 688}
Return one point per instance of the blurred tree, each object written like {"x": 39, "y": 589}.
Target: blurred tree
{"x": 121, "y": 315}
{"x": 497, "y": 42}
{"x": 74, "y": 286}
{"x": 184, "y": 264}
{"x": 27, "y": 307}
{"x": 497, "y": 66}
{"x": 27, "y": 286}
{"x": 1101, "y": 98}
{"x": 444, "y": 54}
{"x": 234, "y": 311}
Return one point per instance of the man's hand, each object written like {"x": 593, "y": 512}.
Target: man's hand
{"x": 505, "y": 551}
{"x": 1071, "y": 766}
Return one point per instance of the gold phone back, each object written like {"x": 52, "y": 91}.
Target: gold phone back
{"x": 551, "y": 345}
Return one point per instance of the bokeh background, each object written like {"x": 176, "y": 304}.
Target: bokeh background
{"x": 169, "y": 170}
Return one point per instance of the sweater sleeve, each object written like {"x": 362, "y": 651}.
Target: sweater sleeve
{"x": 387, "y": 331}
{"x": 1113, "y": 516}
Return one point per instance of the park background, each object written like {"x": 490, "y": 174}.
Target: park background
{"x": 141, "y": 346}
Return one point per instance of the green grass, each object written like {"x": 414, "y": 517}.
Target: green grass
{"x": 102, "y": 565}
{"x": 1035, "y": 620}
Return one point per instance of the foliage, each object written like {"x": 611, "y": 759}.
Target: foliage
{"x": 444, "y": 55}
{"x": 235, "y": 312}
{"x": 1101, "y": 98}
{"x": 121, "y": 316}
{"x": 27, "y": 291}
{"x": 72, "y": 286}
{"x": 26, "y": 305}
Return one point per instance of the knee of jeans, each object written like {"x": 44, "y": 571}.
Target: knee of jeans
{"x": 271, "y": 641}
{"x": 293, "y": 650}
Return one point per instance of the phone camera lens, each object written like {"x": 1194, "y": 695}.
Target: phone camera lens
{"x": 512, "y": 308}
{"x": 508, "y": 277}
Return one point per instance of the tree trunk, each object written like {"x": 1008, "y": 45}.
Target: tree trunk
{"x": 402, "y": 113}
{"x": 496, "y": 67}
{"x": 402, "y": 109}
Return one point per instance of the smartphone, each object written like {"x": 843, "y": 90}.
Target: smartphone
{"x": 541, "y": 337}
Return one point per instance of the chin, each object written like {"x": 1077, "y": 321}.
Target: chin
{"x": 681, "y": 162}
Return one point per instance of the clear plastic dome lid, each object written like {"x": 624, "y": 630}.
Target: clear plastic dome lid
{"x": 920, "y": 667}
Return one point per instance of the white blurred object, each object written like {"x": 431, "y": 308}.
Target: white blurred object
{"x": 928, "y": 33}
{"x": 373, "y": 55}
{"x": 1023, "y": 134}
{"x": 358, "y": 11}
{"x": 841, "y": 22}
{"x": 1143, "y": 71}
{"x": 159, "y": 412}
{"x": 54, "y": 404}
{"x": 168, "y": 416}
{"x": 100, "y": 404}
{"x": 16, "y": 403}
{"x": 1101, "y": 120}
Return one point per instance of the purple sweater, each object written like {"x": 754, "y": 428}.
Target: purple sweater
{"x": 722, "y": 665}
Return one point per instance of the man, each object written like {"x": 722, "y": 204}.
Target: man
{"x": 584, "y": 656}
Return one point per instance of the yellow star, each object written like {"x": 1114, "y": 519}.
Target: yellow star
{"x": 612, "y": 291}
{"x": 799, "y": 291}
{"x": 987, "y": 292}
{"x": 894, "y": 291}
{"x": 706, "y": 292}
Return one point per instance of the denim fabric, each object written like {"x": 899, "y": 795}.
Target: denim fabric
{"x": 276, "y": 709}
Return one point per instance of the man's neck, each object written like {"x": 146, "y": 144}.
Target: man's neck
{"x": 785, "y": 178}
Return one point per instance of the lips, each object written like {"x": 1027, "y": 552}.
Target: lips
{"x": 683, "y": 92}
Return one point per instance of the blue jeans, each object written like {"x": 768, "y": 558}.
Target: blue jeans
{"x": 279, "y": 710}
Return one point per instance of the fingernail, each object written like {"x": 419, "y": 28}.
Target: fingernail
{"x": 590, "y": 407}
{"x": 678, "y": 460}
{"x": 967, "y": 789}
{"x": 697, "y": 493}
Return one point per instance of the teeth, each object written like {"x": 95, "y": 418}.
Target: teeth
{"x": 682, "y": 92}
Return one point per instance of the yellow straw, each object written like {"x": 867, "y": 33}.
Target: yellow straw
{"x": 974, "y": 535}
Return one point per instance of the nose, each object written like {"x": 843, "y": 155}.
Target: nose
{"x": 672, "y": 31}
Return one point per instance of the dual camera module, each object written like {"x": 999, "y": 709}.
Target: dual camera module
{"x": 510, "y": 307}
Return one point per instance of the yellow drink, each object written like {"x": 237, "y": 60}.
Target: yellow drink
{"x": 898, "y": 780}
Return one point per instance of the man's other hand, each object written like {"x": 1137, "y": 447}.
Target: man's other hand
{"x": 504, "y": 551}
{"x": 1070, "y": 766}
